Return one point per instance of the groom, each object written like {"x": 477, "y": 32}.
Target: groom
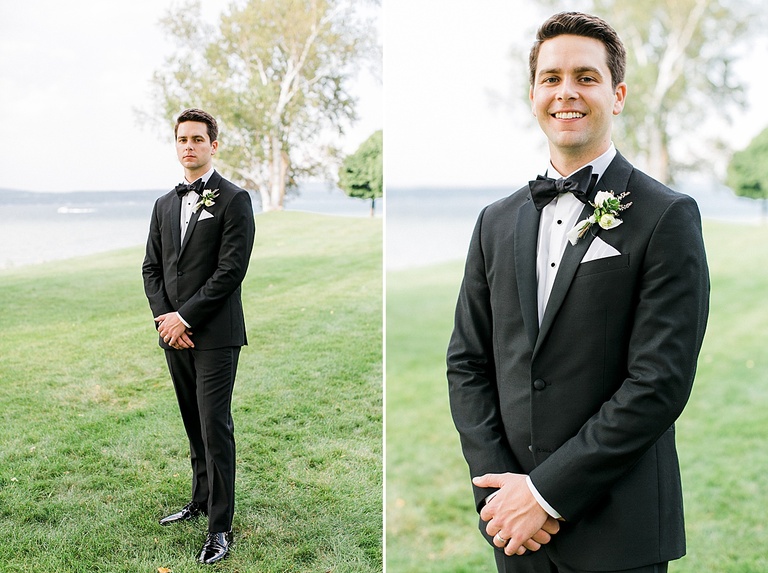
{"x": 577, "y": 330}
{"x": 200, "y": 240}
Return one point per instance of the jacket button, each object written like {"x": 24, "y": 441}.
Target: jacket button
{"x": 180, "y": 273}
{"x": 539, "y": 384}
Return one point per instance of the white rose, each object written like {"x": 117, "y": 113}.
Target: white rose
{"x": 602, "y": 197}
{"x": 609, "y": 221}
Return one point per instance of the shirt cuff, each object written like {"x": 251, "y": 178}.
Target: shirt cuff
{"x": 183, "y": 321}
{"x": 542, "y": 502}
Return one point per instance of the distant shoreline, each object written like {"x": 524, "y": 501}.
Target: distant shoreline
{"x": 40, "y": 226}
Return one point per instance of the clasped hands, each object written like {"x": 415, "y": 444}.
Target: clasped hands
{"x": 515, "y": 519}
{"x": 174, "y": 332}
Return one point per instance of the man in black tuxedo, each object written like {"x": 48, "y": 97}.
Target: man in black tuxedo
{"x": 199, "y": 245}
{"x": 577, "y": 330}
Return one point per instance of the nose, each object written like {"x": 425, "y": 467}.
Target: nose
{"x": 567, "y": 90}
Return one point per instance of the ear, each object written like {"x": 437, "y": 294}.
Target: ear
{"x": 621, "y": 96}
{"x": 214, "y": 146}
{"x": 530, "y": 98}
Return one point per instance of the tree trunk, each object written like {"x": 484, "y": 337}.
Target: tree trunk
{"x": 373, "y": 206}
{"x": 276, "y": 178}
{"x": 658, "y": 153}
{"x": 282, "y": 179}
{"x": 265, "y": 200}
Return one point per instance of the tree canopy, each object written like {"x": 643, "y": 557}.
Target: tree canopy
{"x": 362, "y": 173}
{"x": 748, "y": 170}
{"x": 276, "y": 75}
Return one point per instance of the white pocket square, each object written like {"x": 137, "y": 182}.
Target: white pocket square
{"x": 599, "y": 249}
{"x": 205, "y": 215}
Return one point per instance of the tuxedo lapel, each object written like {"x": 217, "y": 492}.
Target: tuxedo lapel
{"x": 190, "y": 229}
{"x": 526, "y": 239}
{"x": 614, "y": 179}
{"x": 568, "y": 267}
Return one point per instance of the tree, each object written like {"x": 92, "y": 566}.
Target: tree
{"x": 680, "y": 56}
{"x": 362, "y": 173}
{"x": 748, "y": 170}
{"x": 275, "y": 74}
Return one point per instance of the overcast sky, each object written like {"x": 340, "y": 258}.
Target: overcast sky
{"x": 72, "y": 73}
{"x": 443, "y": 70}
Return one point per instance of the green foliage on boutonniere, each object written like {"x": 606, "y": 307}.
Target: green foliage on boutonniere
{"x": 207, "y": 199}
{"x": 607, "y": 208}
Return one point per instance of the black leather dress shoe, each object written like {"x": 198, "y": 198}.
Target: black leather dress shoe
{"x": 189, "y": 511}
{"x": 216, "y": 547}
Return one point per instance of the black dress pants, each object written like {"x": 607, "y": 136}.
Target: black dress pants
{"x": 204, "y": 380}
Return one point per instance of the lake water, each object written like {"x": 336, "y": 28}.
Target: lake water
{"x": 423, "y": 226}
{"x": 426, "y": 226}
{"x": 39, "y": 227}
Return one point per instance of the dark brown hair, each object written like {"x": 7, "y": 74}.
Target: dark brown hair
{"x": 580, "y": 24}
{"x": 194, "y": 114}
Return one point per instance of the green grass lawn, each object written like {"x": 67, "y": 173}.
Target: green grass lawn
{"x": 722, "y": 435}
{"x": 92, "y": 449}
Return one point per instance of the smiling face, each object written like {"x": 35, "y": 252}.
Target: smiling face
{"x": 194, "y": 149}
{"x": 574, "y": 100}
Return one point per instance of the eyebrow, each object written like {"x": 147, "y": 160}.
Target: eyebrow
{"x": 579, "y": 70}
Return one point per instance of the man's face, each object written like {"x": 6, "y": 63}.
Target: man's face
{"x": 573, "y": 98}
{"x": 194, "y": 148}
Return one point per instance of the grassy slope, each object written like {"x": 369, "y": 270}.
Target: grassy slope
{"x": 92, "y": 450}
{"x": 722, "y": 438}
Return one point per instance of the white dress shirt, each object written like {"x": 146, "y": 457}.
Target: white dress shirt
{"x": 189, "y": 201}
{"x": 557, "y": 218}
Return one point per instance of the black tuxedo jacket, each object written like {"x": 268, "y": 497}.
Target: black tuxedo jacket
{"x": 586, "y": 403}
{"x": 201, "y": 276}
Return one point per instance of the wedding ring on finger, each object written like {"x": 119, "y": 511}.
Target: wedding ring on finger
{"x": 501, "y": 539}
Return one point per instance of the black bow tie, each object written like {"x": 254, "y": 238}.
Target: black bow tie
{"x": 581, "y": 184}
{"x": 184, "y": 188}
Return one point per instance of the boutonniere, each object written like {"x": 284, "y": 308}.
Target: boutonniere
{"x": 207, "y": 199}
{"x": 607, "y": 208}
